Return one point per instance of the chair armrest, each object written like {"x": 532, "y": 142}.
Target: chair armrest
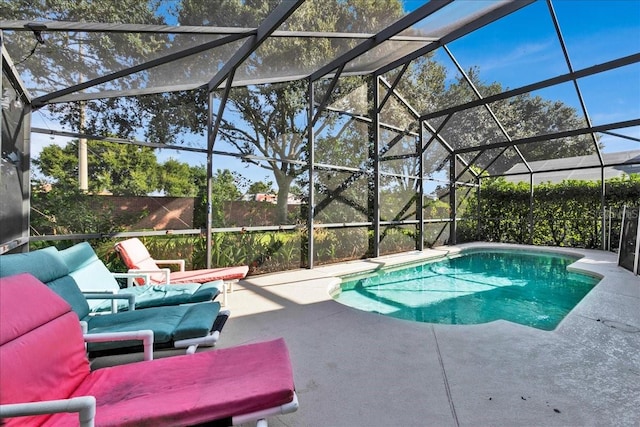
{"x": 114, "y": 305}
{"x": 131, "y": 276}
{"x": 180, "y": 262}
{"x": 144, "y": 335}
{"x": 85, "y": 406}
{"x": 164, "y": 271}
{"x": 131, "y": 299}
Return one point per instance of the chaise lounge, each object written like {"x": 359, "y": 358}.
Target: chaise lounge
{"x": 230, "y": 386}
{"x": 137, "y": 258}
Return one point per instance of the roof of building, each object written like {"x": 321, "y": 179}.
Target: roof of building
{"x": 577, "y": 168}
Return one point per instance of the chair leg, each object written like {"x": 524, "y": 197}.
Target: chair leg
{"x": 230, "y": 284}
{"x": 225, "y": 287}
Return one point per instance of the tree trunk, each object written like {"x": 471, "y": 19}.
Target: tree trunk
{"x": 284, "y": 184}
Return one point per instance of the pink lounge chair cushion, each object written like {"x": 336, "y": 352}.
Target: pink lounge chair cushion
{"x": 191, "y": 389}
{"x": 25, "y": 293}
{"x": 134, "y": 253}
{"x": 42, "y": 353}
{"x": 209, "y": 275}
{"x": 136, "y": 256}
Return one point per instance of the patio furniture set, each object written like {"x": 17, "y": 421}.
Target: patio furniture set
{"x": 61, "y": 308}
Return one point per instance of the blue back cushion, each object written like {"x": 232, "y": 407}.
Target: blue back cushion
{"x": 87, "y": 269}
{"x": 45, "y": 264}
{"x": 48, "y": 267}
{"x": 67, "y": 288}
{"x": 77, "y": 256}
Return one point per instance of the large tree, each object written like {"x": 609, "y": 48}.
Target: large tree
{"x": 122, "y": 169}
{"x": 269, "y": 120}
{"x": 178, "y": 179}
{"x": 522, "y": 116}
{"x": 69, "y": 58}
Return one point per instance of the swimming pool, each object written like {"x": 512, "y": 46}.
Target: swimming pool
{"x": 532, "y": 288}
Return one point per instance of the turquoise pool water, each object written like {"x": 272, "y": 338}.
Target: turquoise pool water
{"x": 530, "y": 288}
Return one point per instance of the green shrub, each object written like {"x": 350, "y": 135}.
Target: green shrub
{"x": 564, "y": 214}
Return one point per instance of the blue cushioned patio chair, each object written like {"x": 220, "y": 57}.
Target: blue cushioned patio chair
{"x": 92, "y": 276}
{"x": 177, "y": 326}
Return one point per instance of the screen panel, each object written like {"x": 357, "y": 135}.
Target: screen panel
{"x": 628, "y": 255}
{"x": 14, "y": 168}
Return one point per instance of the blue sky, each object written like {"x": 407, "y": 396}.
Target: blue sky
{"x": 521, "y": 49}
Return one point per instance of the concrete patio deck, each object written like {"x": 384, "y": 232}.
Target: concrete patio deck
{"x": 354, "y": 368}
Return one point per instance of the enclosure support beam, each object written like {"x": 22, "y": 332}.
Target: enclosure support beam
{"x": 327, "y": 96}
{"x": 489, "y": 110}
{"x": 619, "y": 135}
{"x": 557, "y": 135}
{"x": 391, "y": 89}
{"x": 402, "y": 24}
{"x": 19, "y": 137}
{"x": 603, "y": 207}
{"x": 266, "y": 28}
{"x": 479, "y": 207}
{"x": 212, "y": 134}
{"x": 446, "y": 145}
{"x": 531, "y": 206}
{"x": 210, "y": 138}
{"x": 500, "y": 10}
{"x": 434, "y": 134}
{"x": 587, "y": 118}
{"x": 374, "y": 170}
{"x": 420, "y": 191}
{"x": 12, "y": 73}
{"x": 576, "y": 168}
{"x": 52, "y": 97}
{"x": 583, "y": 106}
{"x": 453, "y": 203}
{"x": 311, "y": 150}
{"x": 636, "y": 256}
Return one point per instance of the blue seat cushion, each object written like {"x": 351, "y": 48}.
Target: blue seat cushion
{"x": 169, "y": 324}
{"x": 188, "y": 293}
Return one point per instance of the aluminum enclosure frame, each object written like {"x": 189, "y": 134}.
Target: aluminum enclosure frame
{"x": 255, "y": 36}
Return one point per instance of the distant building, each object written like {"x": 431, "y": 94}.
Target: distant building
{"x": 292, "y": 199}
